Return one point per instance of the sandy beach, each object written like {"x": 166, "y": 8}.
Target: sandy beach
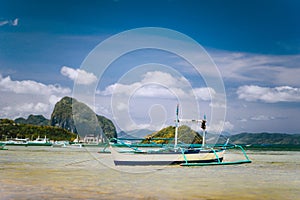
{"x": 62, "y": 173}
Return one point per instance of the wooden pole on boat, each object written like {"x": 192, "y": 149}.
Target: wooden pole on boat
{"x": 176, "y": 126}
{"x": 203, "y": 126}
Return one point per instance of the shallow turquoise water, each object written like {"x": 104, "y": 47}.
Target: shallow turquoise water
{"x": 63, "y": 173}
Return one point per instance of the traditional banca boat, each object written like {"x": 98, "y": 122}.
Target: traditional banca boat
{"x": 184, "y": 155}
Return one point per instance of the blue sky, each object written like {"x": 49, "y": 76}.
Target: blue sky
{"x": 255, "y": 45}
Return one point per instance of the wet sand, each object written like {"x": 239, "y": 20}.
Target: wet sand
{"x": 63, "y": 173}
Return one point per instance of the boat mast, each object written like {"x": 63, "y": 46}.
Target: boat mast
{"x": 176, "y": 126}
{"x": 203, "y": 126}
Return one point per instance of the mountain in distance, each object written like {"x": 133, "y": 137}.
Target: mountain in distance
{"x": 187, "y": 135}
{"x": 33, "y": 120}
{"x": 254, "y": 138}
{"x": 78, "y": 118}
{"x": 265, "y": 138}
{"x": 134, "y": 134}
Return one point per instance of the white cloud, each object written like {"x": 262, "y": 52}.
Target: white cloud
{"x": 14, "y": 22}
{"x": 28, "y": 107}
{"x": 204, "y": 93}
{"x": 159, "y": 84}
{"x": 21, "y": 109}
{"x": 80, "y": 76}
{"x": 243, "y": 120}
{"x": 220, "y": 126}
{"x": 122, "y": 106}
{"x": 120, "y": 89}
{"x": 157, "y": 91}
{"x": 22, "y": 105}
{"x": 271, "y": 69}
{"x": 269, "y": 95}
{"x": 262, "y": 118}
{"x": 53, "y": 99}
{"x": 30, "y": 87}
{"x": 218, "y": 105}
{"x": 163, "y": 77}
{"x": 21, "y": 98}
{"x": 3, "y": 22}
{"x": 147, "y": 126}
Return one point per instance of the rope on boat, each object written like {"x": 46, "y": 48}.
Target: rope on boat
{"x": 216, "y": 155}
{"x": 184, "y": 157}
{"x": 127, "y": 145}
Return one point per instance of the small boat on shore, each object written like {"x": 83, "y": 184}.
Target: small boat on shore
{"x": 168, "y": 156}
{"x": 26, "y": 142}
{"x": 40, "y": 142}
{"x": 17, "y": 142}
{"x": 176, "y": 154}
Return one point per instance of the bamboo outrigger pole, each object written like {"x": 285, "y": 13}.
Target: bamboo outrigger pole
{"x": 176, "y": 126}
{"x": 203, "y": 126}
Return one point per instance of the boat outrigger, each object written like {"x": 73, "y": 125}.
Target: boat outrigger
{"x": 177, "y": 153}
{"x": 2, "y": 146}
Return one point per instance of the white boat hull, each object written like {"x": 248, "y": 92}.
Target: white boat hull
{"x": 166, "y": 158}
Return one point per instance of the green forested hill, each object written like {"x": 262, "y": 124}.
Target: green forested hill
{"x": 34, "y": 120}
{"x": 10, "y": 129}
{"x": 185, "y": 135}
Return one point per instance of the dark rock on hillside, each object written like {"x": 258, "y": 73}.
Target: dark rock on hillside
{"x": 78, "y": 118}
{"x": 107, "y": 126}
{"x": 62, "y": 115}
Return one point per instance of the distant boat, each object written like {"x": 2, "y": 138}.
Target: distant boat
{"x": 39, "y": 142}
{"x": 2, "y": 146}
{"x": 27, "y": 142}
{"x": 17, "y": 142}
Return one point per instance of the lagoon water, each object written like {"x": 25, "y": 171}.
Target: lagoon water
{"x": 70, "y": 173}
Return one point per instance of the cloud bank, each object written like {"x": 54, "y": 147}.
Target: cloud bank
{"x": 268, "y": 94}
{"x": 268, "y": 69}
{"x": 79, "y": 76}
{"x": 30, "y": 87}
{"x": 158, "y": 84}
{"x": 21, "y": 98}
